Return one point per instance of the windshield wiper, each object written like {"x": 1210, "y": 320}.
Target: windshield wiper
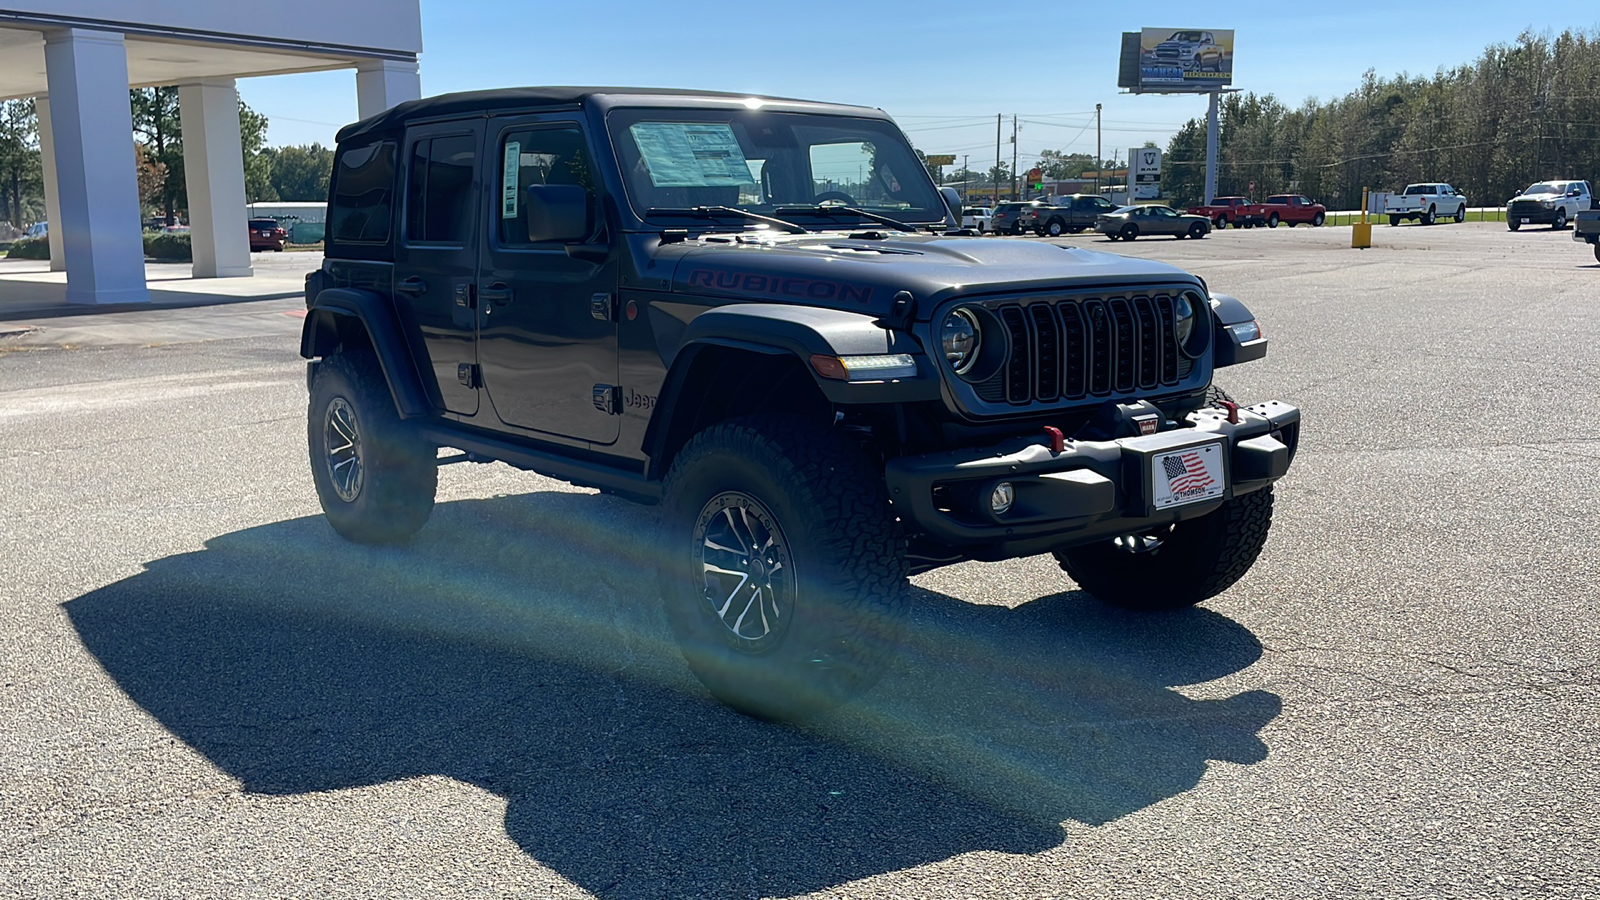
{"x": 713, "y": 212}
{"x": 869, "y": 216}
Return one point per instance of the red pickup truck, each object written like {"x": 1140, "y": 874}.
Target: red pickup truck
{"x": 1236, "y": 211}
{"x": 1293, "y": 209}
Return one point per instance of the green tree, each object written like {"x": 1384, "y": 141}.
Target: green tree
{"x": 301, "y": 173}
{"x": 21, "y": 175}
{"x": 157, "y": 124}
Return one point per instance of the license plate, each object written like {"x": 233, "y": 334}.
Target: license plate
{"x": 1187, "y": 475}
{"x": 1526, "y": 221}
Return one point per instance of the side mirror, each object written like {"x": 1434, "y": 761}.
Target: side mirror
{"x": 557, "y": 212}
{"x": 952, "y": 201}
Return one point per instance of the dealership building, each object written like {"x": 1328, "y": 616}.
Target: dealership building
{"x": 79, "y": 58}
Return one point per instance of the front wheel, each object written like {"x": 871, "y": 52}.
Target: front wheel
{"x": 1176, "y": 565}
{"x": 783, "y": 568}
{"x": 1597, "y": 252}
{"x": 374, "y": 475}
{"x": 1197, "y": 231}
{"x": 1511, "y": 223}
{"x": 1317, "y": 220}
{"x": 1461, "y": 213}
{"x": 1560, "y": 221}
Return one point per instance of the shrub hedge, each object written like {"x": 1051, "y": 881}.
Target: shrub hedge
{"x": 30, "y": 248}
{"x": 168, "y": 247}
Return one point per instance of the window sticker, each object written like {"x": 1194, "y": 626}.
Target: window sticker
{"x": 508, "y": 180}
{"x": 691, "y": 154}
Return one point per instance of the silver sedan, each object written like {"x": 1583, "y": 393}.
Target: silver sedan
{"x": 1130, "y": 222}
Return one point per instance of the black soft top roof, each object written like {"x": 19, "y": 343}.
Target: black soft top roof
{"x": 486, "y": 102}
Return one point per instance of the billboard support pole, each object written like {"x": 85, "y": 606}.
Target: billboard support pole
{"x": 1211, "y": 149}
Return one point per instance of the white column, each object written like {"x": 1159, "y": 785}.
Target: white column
{"x": 92, "y": 126}
{"x": 52, "y": 198}
{"x": 382, "y": 83}
{"x": 213, "y": 171}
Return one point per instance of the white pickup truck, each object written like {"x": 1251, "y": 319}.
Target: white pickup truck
{"x": 1427, "y": 203}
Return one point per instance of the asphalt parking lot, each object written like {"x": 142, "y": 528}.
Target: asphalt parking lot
{"x": 205, "y": 693}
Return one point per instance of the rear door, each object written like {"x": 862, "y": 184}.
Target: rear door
{"x": 436, "y": 255}
{"x": 547, "y": 330}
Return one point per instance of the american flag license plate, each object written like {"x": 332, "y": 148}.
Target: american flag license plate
{"x": 1189, "y": 475}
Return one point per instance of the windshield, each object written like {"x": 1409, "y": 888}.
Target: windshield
{"x": 1191, "y": 37}
{"x": 764, "y": 161}
{"x": 1546, "y": 187}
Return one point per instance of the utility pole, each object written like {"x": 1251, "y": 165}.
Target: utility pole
{"x": 1099, "y": 157}
{"x": 997, "y": 118}
{"x": 1015, "y": 194}
{"x": 1211, "y": 148}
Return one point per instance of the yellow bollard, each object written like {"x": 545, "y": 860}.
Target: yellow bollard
{"x": 1361, "y": 232}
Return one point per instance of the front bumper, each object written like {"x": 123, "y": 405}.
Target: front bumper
{"x": 1531, "y": 215}
{"x": 1088, "y": 491}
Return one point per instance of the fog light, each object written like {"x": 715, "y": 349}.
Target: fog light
{"x": 1000, "y": 500}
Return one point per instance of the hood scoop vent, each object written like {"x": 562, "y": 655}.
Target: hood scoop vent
{"x": 859, "y": 248}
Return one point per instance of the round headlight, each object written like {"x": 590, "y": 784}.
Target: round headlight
{"x": 1185, "y": 313}
{"x": 959, "y": 338}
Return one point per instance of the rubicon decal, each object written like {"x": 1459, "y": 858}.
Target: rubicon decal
{"x": 798, "y": 288}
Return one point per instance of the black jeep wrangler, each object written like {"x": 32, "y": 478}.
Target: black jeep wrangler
{"x": 744, "y": 309}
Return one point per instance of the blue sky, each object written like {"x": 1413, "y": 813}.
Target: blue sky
{"x": 943, "y": 69}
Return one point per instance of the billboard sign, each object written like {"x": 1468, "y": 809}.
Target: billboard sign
{"x": 1181, "y": 60}
{"x": 1144, "y": 165}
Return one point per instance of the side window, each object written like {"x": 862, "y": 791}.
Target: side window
{"x": 537, "y": 156}
{"x": 363, "y": 193}
{"x": 439, "y": 190}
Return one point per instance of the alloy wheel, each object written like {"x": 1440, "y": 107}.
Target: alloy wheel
{"x": 341, "y": 441}
{"x": 746, "y": 570}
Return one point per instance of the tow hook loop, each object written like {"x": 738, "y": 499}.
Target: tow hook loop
{"x": 1233, "y": 411}
{"x": 1058, "y": 441}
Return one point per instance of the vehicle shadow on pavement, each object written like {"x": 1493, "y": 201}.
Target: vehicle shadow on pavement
{"x": 517, "y": 645}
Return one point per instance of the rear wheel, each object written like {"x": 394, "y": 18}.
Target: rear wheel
{"x": 1395, "y": 220}
{"x": 375, "y": 476}
{"x": 1130, "y": 232}
{"x": 1272, "y": 221}
{"x": 1597, "y": 252}
{"x": 1427, "y": 217}
{"x": 1221, "y": 223}
{"x": 783, "y": 568}
{"x": 1055, "y": 227}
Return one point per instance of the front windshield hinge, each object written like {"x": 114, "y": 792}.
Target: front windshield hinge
{"x": 674, "y": 235}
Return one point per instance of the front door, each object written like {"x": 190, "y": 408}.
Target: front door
{"x": 547, "y": 331}
{"x": 436, "y": 257}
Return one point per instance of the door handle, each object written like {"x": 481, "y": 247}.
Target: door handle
{"x": 498, "y": 293}
{"x": 412, "y": 286}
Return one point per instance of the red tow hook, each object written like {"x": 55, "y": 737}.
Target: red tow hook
{"x": 1058, "y": 441}
{"x": 1233, "y": 411}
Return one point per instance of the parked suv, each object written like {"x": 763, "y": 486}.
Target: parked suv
{"x": 1011, "y": 218}
{"x": 267, "y": 234}
{"x": 742, "y": 309}
{"x": 1552, "y": 202}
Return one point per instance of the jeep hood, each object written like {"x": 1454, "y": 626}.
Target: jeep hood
{"x": 863, "y": 275}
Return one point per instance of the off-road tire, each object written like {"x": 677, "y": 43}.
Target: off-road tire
{"x": 840, "y": 541}
{"x": 398, "y": 474}
{"x": 1198, "y": 559}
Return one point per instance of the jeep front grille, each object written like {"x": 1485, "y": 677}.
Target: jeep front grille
{"x": 1085, "y": 348}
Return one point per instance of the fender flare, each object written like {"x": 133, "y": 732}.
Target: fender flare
{"x": 798, "y": 332}
{"x": 1228, "y": 311}
{"x": 376, "y": 315}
